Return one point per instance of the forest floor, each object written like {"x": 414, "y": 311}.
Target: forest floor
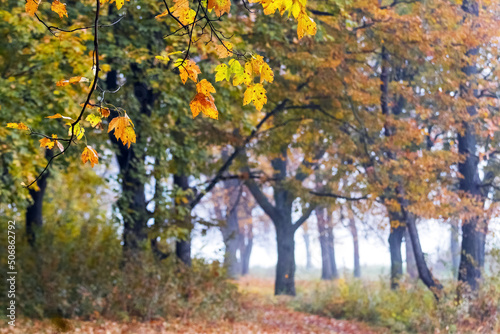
{"x": 261, "y": 313}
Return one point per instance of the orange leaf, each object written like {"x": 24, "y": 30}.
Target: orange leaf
{"x": 89, "y": 154}
{"x": 59, "y": 8}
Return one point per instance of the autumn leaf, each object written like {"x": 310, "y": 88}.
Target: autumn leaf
{"x": 266, "y": 74}
{"x": 47, "y": 143}
{"x": 306, "y": 25}
{"x": 205, "y": 104}
{"x": 188, "y": 69}
{"x": 93, "y": 119}
{"x": 222, "y": 73}
{"x": 89, "y": 154}
{"x": 78, "y": 131}
{"x": 71, "y": 81}
{"x": 224, "y": 50}
{"x": 104, "y": 112}
{"x": 59, "y": 8}
{"x": 124, "y": 129}
{"x": 19, "y": 126}
{"x": 204, "y": 87}
{"x": 32, "y": 6}
{"x": 257, "y": 94}
{"x": 219, "y": 6}
{"x": 58, "y": 116}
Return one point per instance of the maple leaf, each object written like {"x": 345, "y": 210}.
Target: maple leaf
{"x": 104, "y": 111}
{"x": 89, "y": 154}
{"x": 205, "y": 104}
{"x": 219, "y": 6}
{"x": 306, "y": 25}
{"x": 257, "y": 94}
{"x": 78, "y": 131}
{"x": 47, "y": 143}
{"x": 241, "y": 75}
{"x": 224, "y": 50}
{"x": 205, "y": 87}
{"x": 58, "y": 116}
{"x": 222, "y": 73}
{"x": 187, "y": 69}
{"x": 59, "y": 8}
{"x": 19, "y": 126}
{"x": 32, "y": 6}
{"x": 124, "y": 129}
{"x": 257, "y": 62}
{"x": 94, "y": 120}
{"x": 72, "y": 80}
{"x": 266, "y": 74}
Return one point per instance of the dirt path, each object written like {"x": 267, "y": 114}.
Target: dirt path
{"x": 261, "y": 313}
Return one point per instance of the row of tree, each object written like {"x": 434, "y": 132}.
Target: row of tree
{"x": 391, "y": 104}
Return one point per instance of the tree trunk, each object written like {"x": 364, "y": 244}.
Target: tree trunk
{"x": 246, "y": 249}
{"x": 183, "y": 247}
{"x": 354, "y": 232}
{"x": 455, "y": 248}
{"x": 423, "y": 271}
{"x": 308, "y": 247}
{"x": 34, "y": 212}
{"x": 395, "y": 239}
{"x": 326, "y": 263}
{"x": 470, "y": 260}
{"x": 411, "y": 265}
{"x": 132, "y": 202}
{"x": 285, "y": 268}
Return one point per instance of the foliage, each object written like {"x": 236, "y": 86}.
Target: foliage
{"x": 76, "y": 272}
{"x": 409, "y": 309}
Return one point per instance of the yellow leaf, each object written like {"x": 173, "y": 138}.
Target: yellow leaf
{"x": 222, "y": 73}
{"x": 32, "y": 6}
{"x": 19, "y": 126}
{"x": 89, "y": 154}
{"x": 94, "y": 120}
{"x": 257, "y": 94}
{"x": 306, "y": 25}
{"x": 205, "y": 104}
{"x": 59, "y": 8}
{"x": 77, "y": 130}
{"x": 266, "y": 74}
{"x": 204, "y": 87}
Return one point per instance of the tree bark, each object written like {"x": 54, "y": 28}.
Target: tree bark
{"x": 132, "y": 202}
{"x": 326, "y": 241}
{"x": 411, "y": 265}
{"x": 472, "y": 248}
{"x": 395, "y": 240}
{"x": 285, "y": 268}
